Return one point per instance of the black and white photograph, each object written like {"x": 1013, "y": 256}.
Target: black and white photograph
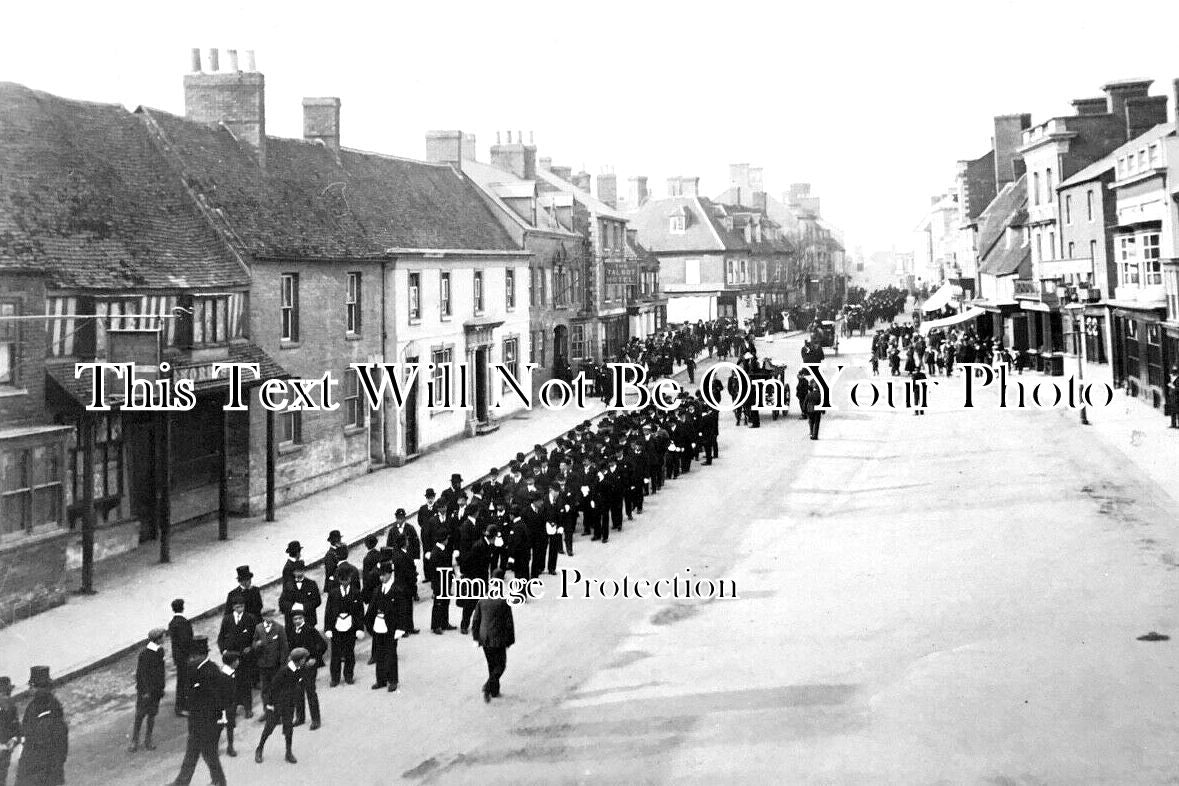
{"x": 514, "y": 392}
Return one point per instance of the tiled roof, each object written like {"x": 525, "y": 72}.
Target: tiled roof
{"x": 1006, "y": 209}
{"x": 489, "y": 177}
{"x": 584, "y": 197}
{"x": 86, "y": 196}
{"x": 653, "y": 222}
{"x": 306, "y": 203}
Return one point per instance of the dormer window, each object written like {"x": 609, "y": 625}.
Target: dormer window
{"x": 678, "y": 222}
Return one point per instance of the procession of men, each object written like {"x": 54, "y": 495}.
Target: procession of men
{"x": 264, "y": 662}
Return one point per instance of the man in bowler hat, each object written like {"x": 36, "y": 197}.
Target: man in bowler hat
{"x": 46, "y": 736}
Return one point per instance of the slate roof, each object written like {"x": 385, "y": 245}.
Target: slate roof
{"x": 581, "y": 195}
{"x": 489, "y": 177}
{"x": 1008, "y": 208}
{"x": 86, "y": 196}
{"x": 704, "y": 230}
{"x": 306, "y": 203}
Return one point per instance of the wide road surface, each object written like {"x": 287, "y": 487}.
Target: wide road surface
{"x": 952, "y": 598}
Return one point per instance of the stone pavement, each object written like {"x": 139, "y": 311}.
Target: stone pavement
{"x": 134, "y": 590}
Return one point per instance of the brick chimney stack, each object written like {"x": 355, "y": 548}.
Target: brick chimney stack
{"x": 638, "y": 191}
{"x": 1144, "y": 113}
{"x": 608, "y": 189}
{"x": 515, "y": 157}
{"x": 469, "y": 148}
{"x": 445, "y": 147}
{"x": 235, "y": 99}
{"x": 1006, "y": 143}
{"x": 1120, "y": 91}
{"x": 321, "y": 121}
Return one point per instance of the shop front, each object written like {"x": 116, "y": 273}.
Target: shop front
{"x": 1140, "y": 360}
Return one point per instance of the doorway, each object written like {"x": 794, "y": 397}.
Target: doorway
{"x": 481, "y": 384}
{"x": 411, "y": 413}
{"x": 561, "y": 352}
{"x": 139, "y": 438}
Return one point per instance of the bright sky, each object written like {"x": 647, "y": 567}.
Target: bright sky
{"x": 872, "y": 102}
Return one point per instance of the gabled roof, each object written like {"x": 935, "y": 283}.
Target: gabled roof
{"x": 704, "y": 229}
{"x": 86, "y": 196}
{"x": 785, "y": 216}
{"x": 308, "y": 203}
{"x": 594, "y": 204}
{"x": 496, "y": 181}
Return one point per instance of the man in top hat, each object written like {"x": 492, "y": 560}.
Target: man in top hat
{"x": 337, "y": 552}
{"x": 403, "y": 536}
{"x": 9, "y": 727}
{"x": 149, "y": 688}
{"x": 300, "y": 591}
{"x": 494, "y": 630}
{"x": 305, "y": 636}
{"x": 245, "y": 589}
{"x": 206, "y": 716}
{"x": 180, "y": 634}
{"x": 269, "y": 647}
{"x": 368, "y": 567}
{"x": 405, "y": 582}
{"x": 294, "y": 554}
{"x": 439, "y": 542}
{"x": 46, "y": 736}
{"x": 284, "y": 695}
{"x": 343, "y": 622}
{"x": 381, "y": 624}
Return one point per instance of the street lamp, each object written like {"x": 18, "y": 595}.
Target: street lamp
{"x": 1077, "y": 310}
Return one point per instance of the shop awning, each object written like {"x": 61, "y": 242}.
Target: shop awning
{"x": 61, "y": 373}
{"x": 942, "y": 297}
{"x": 965, "y": 316}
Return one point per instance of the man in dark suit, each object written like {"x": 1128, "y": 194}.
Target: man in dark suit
{"x": 300, "y": 591}
{"x": 284, "y": 694}
{"x": 206, "y": 716}
{"x": 180, "y": 633}
{"x": 438, "y": 544}
{"x": 475, "y": 563}
{"x": 9, "y": 727}
{"x": 449, "y": 499}
{"x": 246, "y": 590}
{"x": 337, "y": 552}
{"x": 303, "y": 635}
{"x": 294, "y": 554}
{"x": 368, "y": 567}
{"x": 343, "y": 622}
{"x": 403, "y": 535}
{"x": 149, "y": 688}
{"x": 405, "y": 582}
{"x": 237, "y": 635}
{"x": 381, "y": 624}
{"x": 537, "y": 520}
{"x": 270, "y": 649}
{"x": 231, "y": 688}
{"x": 494, "y": 631}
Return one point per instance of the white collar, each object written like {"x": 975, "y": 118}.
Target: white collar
{"x": 151, "y": 645}
{"x": 291, "y": 665}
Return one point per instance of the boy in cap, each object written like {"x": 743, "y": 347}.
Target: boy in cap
{"x": 149, "y": 688}
{"x": 307, "y": 637}
{"x": 281, "y": 700}
{"x": 9, "y": 727}
{"x": 46, "y": 736}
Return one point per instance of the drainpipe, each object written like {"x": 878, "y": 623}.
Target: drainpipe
{"x": 384, "y": 356}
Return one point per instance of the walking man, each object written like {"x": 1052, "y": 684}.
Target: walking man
{"x": 284, "y": 695}
{"x": 46, "y": 736}
{"x": 206, "y": 716}
{"x": 494, "y": 630}
{"x": 149, "y": 689}
{"x": 304, "y": 636}
{"x": 381, "y": 623}
{"x": 270, "y": 649}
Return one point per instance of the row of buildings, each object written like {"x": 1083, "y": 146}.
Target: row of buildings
{"x": 1065, "y": 236}
{"x": 148, "y": 237}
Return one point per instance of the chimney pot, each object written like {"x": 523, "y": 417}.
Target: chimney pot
{"x": 214, "y": 60}
{"x": 497, "y": 139}
{"x": 196, "y": 60}
{"x": 250, "y": 65}
{"x": 509, "y": 137}
{"x": 231, "y": 54}
{"x": 531, "y": 138}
